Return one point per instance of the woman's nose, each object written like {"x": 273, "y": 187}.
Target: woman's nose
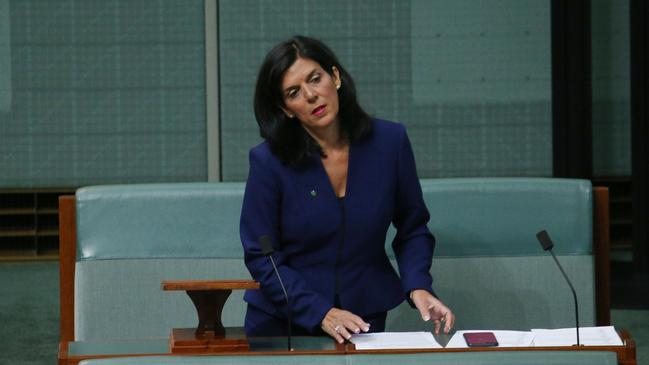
{"x": 310, "y": 94}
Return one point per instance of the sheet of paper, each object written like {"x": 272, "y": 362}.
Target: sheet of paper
{"x": 589, "y": 336}
{"x": 505, "y": 338}
{"x": 394, "y": 340}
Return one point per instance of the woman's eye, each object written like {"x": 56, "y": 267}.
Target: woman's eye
{"x": 292, "y": 94}
{"x": 315, "y": 79}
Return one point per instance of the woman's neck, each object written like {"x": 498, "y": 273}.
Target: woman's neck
{"x": 329, "y": 139}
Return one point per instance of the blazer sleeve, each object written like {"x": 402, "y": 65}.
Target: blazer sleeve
{"x": 260, "y": 215}
{"x": 413, "y": 244}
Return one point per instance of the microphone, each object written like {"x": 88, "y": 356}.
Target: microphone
{"x": 546, "y": 243}
{"x": 267, "y": 250}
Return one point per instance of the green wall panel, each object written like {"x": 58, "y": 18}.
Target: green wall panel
{"x": 5, "y": 57}
{"x": 470, "y": 79}
{"x": 611, "y": 75}
{"x": 104, "y": 92}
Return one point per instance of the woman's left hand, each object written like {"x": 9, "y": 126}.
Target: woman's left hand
{"x": 432, "y": 308}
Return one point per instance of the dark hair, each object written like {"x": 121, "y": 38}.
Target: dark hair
{"x": 286, "y": 137}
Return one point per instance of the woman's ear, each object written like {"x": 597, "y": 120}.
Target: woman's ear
{"x": 336, "y": 76}
{"x": 288, "y": 113}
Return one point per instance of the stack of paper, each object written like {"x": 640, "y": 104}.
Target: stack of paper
{"x": 395, "y": 340}
{"x": 589, "y": 336}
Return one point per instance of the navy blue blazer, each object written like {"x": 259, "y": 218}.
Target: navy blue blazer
{"x": 327, "y": 247}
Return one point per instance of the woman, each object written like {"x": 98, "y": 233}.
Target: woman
{"x": 324, "y": 187}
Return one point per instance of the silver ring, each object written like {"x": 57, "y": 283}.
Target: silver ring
{"x": 337, "y": 329}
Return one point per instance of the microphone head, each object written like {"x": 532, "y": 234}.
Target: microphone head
{"x": 266, "y": 245}
{"x": 544, "y": 240}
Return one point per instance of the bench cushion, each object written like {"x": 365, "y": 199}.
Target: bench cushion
{"x": 500, "y": 216}
{"x": 147, "y": 221}
{"x": 469, "y": 217}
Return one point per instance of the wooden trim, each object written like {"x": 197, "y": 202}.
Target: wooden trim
{"x": 62, "y": 358}
{"x": 627, "y": 356}
{"x": 209, "y": 284}
{"x": 68, "y": 256}
{"x": 602, "y": 248}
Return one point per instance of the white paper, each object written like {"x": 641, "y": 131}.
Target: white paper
{"x": 395, "y": 340}
{"x": 589, "y": 336}
{"x": 505, "y": 339}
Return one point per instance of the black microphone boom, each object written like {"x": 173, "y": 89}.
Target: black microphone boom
{"x": 546, "y": 243}
{"x": 267, "y": 250}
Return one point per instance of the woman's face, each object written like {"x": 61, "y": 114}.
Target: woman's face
{"x": 311, "y": 94}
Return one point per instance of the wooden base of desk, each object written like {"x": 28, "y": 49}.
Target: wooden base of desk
{"x": 186, "y": 341}
{"x": 209, "y": 336}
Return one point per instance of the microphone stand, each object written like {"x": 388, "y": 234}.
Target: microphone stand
{"x": 546, "y": 243}
{"x": 574, "y": 294}
{"x": 267, "y": 250}
{"x": 288, "y": 305}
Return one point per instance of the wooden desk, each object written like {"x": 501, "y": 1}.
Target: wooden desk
{"x": 73, "y": 352}
{"x": 626, "y": 355}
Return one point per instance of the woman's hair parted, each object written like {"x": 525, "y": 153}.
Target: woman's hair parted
{"x": 286, "y": 137}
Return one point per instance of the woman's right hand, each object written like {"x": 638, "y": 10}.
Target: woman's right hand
{"x": 340, "y": 324}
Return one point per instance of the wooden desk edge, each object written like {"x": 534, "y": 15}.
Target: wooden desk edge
{"x": 486, "y": 349}
{"x": 626, "y": 354}
{"x": 75, "y": 359}
{"x": 622, "y": 360}
{"x": 209, "y": 284}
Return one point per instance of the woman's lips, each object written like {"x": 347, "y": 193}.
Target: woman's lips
{"x": 319, "y": 110}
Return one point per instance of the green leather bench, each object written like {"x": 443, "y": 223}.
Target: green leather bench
{"x": 119, "y": 242}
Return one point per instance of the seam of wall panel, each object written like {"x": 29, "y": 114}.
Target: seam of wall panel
{"x": 212, "y": 91}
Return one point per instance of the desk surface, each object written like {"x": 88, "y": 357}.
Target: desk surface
{"x": 160, "y": 346}
{"x": 73, "y": 352}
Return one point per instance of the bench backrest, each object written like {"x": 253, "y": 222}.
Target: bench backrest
{"x": 488, "y": 266}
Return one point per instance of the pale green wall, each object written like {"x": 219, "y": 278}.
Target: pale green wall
{"x": 470, "y": 79}
{"x": 611, "y": 88}
{"x": 5, "y": 57}
{"x": 104, "y": 92}
{"x": 114, "y": 92}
